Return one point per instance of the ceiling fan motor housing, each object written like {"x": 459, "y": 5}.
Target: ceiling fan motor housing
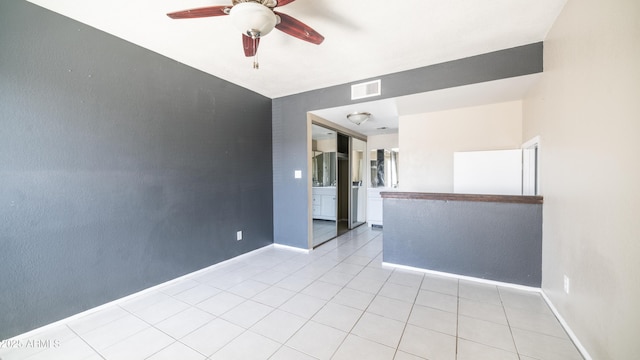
{"x": 253, "y": 19}
{"x": 268, "y": 3}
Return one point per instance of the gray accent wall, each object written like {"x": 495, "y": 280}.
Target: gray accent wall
{"x": 119, "y": 168}
{"x": 290, "y": 205}
{"x": 486, "y": 240}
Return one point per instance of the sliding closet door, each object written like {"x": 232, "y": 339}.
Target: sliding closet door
{"x": 324, "y": 184}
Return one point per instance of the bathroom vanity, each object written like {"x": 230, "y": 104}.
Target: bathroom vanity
{"x": 324, "y": 203}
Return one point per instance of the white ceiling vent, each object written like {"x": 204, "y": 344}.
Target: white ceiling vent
{"x": 365, "y": 90}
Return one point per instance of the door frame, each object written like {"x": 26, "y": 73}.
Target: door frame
{"x": 311, "y": 120}
{"x": 532, "y": 144}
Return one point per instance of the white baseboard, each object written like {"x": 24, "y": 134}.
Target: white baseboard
{"x": 291, "y": 248}
{"x": 583, "y": 351}
{"x": 136, "y": 294}
{"x": 463, "y": 277}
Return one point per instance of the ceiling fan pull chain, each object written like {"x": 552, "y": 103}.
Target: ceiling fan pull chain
{"x": 255, "y": 57}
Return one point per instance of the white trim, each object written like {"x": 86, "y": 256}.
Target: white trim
{"x": 136, "y": 294}
{"x": 291, "y": 248}
{"x": 535, "y": 141}
{"x": 583, "y": 351}
{"x": 309, "y": 182}
{"x": 463, "y": 277}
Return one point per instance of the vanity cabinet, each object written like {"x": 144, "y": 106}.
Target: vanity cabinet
{"x": 374, "y": 206}
{"x": 324, "y": 203}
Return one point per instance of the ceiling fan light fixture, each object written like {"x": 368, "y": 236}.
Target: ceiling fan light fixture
{"x": 359, "y": 117}
{"x": 253, "y": 19}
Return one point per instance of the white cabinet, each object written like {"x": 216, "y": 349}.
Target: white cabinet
{"x": 374, "y": 206}
{"x": 328, "y": 207}
{"x": 317, "y": 205}
{"x": 324, "y": 203}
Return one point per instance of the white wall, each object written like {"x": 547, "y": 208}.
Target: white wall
{"x": 385, "y": 141}
{"x": 586, "y": 109}
{"x": 427, "y": 141}
{"x": 326, "y": 145}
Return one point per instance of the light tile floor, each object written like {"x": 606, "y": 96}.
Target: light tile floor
{"x": 337, "y": 302}
{"x": 323, "y": 230}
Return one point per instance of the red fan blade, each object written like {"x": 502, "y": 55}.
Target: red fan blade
{"x": 250, "y": 45}
{"x": 199, "y": 12}
{"x": 297, "y": 28}
{"x": 284, "y": 2}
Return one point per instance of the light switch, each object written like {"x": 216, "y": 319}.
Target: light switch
{"x": 297, "y": 174}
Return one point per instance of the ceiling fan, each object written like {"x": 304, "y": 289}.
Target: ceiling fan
{"x": 255, "y": 19}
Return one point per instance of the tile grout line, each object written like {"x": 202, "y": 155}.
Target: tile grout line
{"x": 160, "y": 330}
{"x": 196, "y": 307}
{"x": 342, "y": 288}
{"x": 504, "y": 310}
{"x": 406, "y": 323}
{"x": 84, "y": 341}
{"x": 365, "y": 309}
{"x": 318, "y": 279}
{"x": 457, "y": 316}
{"x": 245, "y": 330}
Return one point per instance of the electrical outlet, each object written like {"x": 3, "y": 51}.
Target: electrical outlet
{"x": 567, "y": 284}
{"x": 239, "y": 235}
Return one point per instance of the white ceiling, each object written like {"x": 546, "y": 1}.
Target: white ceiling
{"x": 363, "y": 38}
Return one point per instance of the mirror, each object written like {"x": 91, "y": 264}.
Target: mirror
{"x": 324, "y": 178}
{"x": 323, "y": 168}
{"x": 384, "y": 168}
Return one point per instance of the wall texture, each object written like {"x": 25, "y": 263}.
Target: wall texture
{"x": 119, "y": 168}
{"x": 486, "y": 240}
{"x": 428, "y": 141}
{"x": 290, "y": 204}
{"x": 586, "y": 111}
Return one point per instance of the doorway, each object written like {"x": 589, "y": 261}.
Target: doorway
{"x": 337, "y": 184}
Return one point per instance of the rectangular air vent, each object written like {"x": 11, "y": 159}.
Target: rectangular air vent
{"x": 365, "y": 90}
